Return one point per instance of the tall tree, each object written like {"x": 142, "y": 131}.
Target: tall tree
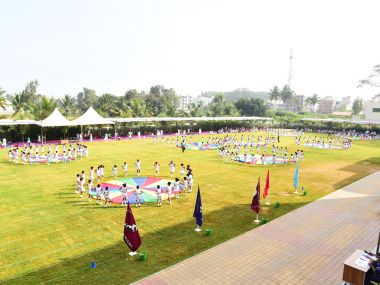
{"x": 251, "y": 107}
{"x": 357, "y": 106}
{"x": 274, "y": 94}
{"x": 3, "y": 100}
{"x": 196, "y": 110}
{"x": 153, "y": 101}
{"x": 46, "y": 106}
{"x": 217, "y": 105}
{"x": 130, "y": 94}
{"x": 230, "y": 109}
{"x": 287, "y": 95}
{"x": 67, "y": 104}
{"x": 108, "y": 104}
{"x": 313, "y": 100}
{"x": 87, "y": 98}
{"x": 138, "y": 107}
{"x": 17, "y": 102}
{"x": 170, "y": 103}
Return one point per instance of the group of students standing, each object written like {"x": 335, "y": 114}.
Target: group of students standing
{"x": 102, "y": 193}
{"x": 36, "y": 154}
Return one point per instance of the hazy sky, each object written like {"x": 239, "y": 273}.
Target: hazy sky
{"x": 192, "y": 45}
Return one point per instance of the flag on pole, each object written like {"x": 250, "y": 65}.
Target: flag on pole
{"x": 266, "y": 187}
{"x": 198, "y": 209}
{"x": 131, "y": 233}
{"x": 295, "y": 178}
{"x": 255, "y": 205}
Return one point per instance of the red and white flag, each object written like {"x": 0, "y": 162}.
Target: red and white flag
{"x": 131, "y": 233}
{"x": 266, "y": 187}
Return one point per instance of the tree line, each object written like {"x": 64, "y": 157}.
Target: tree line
{"x": 159, "y": 101}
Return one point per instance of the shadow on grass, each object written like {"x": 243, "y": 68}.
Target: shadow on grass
{"x": 164, "y": 247}
{"x": 366, "y": 167}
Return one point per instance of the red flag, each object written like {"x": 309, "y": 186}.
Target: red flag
{"x": 131, "y": 233}
{"x": 255, "y": 205}
{"x": 266, "y": 187}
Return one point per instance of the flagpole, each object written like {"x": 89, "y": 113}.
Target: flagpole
{"x": 268, "y": 200}
{"x": 296, "y": 192}
{"x": 257, "y": 219}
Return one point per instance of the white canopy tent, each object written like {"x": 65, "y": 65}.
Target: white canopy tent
{"x": 55, "y": 119}
{"x": 91, "y": 117}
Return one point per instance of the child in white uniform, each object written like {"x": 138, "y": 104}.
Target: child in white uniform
{"x": 114, "y": 170}
{"x": 159, "y": 196}
{"x": 157, "y": 168}
{"x": 98, "y": 173}
{"x": 125, "y": 169}
{"x": 92, "y": 174}
{"x": 107, "y": 198}
{"x": 98, "y": 191}
{"x": 190, "y": 182}
{"x": 138, "y": 167}
{"x": 81, "y": 186}
{"x": 89, "y": 186}
{"x": 169, "y": 192}
{"x": 176, "y": 188}
{"x": 124, "y": 193}
{"x": 182, "y": 170}
{"x": 137, "y": 193}
{"x": 172, "y": 168}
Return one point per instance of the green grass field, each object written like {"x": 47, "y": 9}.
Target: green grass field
{"x": 49, "y": 235}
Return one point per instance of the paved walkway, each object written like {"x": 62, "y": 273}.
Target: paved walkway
{"x": 306, "y": 246}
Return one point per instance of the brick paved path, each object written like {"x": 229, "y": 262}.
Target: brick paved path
{"x": 306, "y": 246}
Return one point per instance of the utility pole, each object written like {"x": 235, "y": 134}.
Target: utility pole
{"x": 290, "y": 68}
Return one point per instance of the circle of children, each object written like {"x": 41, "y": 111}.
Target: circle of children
{"x": 35, "y": 154}
{"x": 328, "y": 142}
{"x": 243, "y": 150}
{"x": 103, "y": 193}
{"x": 231, "y": 148}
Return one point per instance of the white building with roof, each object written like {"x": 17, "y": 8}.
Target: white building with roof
{"x": 372, "y": 110}
{"x": 185, "y": 101}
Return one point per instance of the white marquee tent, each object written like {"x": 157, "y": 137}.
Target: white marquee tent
{"x": 55, "y": 119}
{"x": 91, "y": 117}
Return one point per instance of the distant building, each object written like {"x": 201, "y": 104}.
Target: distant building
{"x": 8, "y": 109}
{"x": 345, "y": 104}
{"x": 327, "y": 105}
{"x": 185, "y": 102}
{"x": 202, "y": 100}
{"x": 299, "y": 103}
{"x": 372, "y": 110}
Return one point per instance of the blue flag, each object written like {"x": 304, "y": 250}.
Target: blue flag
{"x": 295, "y": 178}
{"x": 198, "y": 209}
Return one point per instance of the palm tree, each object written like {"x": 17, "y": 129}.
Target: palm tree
{"x": 46, "y": 106}
{"x": 313, "y": 100}
{"x": 196, "y": 110}
{"x": 68, "y": 105}
{"x": 138, "y": 107}
{"x": 18, "y": 103}
{"x": 274, "y": 94}
{"x": 3, "y": 100}
{"x": 287, "y": 95}
{"x": 107, "y": 104}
